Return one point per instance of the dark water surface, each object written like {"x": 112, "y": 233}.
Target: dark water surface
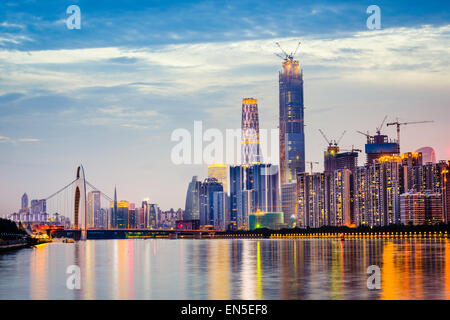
{"x": 229, "y": 269}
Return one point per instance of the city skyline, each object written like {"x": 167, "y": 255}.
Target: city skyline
{"x": 365, "y": 74}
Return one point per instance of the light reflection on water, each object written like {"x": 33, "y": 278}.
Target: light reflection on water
{"x": 230, "y": 269}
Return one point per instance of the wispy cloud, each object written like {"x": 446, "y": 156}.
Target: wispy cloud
{"x": 4, "y": 139}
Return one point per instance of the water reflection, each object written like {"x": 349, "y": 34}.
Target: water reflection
{"x": 230, "y": 269}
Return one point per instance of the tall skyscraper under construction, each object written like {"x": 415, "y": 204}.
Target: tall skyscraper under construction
{"x": 251, "y": 152}
{"x": 292, "y": 135}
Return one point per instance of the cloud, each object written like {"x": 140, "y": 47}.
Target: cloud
{"x": 4, "y": 139}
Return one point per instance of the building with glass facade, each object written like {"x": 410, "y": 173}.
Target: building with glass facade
{"x": 291, "y": 121}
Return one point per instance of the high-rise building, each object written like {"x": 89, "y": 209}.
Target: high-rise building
{"x": 251, "y": 152}
{"x": 340, "y": 198}
{"x": 378, "y": 146}
{"x": 207, "y": 189}
{"x": 419, "y": 208}
{"x": 93, "y": 207}
{"x": 153, "y": 215}
{"x": 221, "y": 210}
{"x": 236, "y": 187}
{"x": 313, "y": 199}
{"x": 38, "y": 208}
{"x": 24, "y": 206}
{"x": 219, "y": 172}
{"x": 292, "y": 136}
{"x": 377, "y": 191}
{"x": 347, "y": 160}
{"x": 428, "y": 154}
{"x": 122, "y": 215}
{"x": 192, "y": 208}
{"x": 289, "y": 203}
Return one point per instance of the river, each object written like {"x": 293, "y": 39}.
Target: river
{"x": 229, "y": 269}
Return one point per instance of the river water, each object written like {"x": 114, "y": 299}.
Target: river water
{"x": 229, "y": 269}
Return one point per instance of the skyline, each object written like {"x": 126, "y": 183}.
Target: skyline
{"x": 52, "y": 99}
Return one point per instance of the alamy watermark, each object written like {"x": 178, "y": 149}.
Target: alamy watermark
{"x": 374, "y": 20}
{"x": 73, "y": 282}
{"x": 74, "y": 20}
{"x": 216, "y": 146}
{"x": 374, "y": 279}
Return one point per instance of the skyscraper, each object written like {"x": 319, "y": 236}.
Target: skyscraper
{"x": 24, "y": 206}
{"x": 207, "y": 189}
{"x": 192, "y": 208}
{"x": 93, "y": 207}
{"x": 292, "y": 136}
{"x": 251, "y": 152}
{"x": 219, "y": 172}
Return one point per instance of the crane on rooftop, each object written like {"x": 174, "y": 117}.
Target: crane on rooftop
{"x": 330, "y": 142}
{"x": 286, "y": 55}
{"x": 398, "y": 124}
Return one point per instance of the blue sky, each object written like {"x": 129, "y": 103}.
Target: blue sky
{"x": 109, "y": 95}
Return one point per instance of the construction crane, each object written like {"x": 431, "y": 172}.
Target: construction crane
{"x": 312, "y": 163}
{"x": 381, "y": 125}
{"x": 330, "y": 142}
{"x": 398, "y": 124}
{"x": 366, "y": 134}
{"x": 286, "y": 55}
{"x": 352, "y": 150}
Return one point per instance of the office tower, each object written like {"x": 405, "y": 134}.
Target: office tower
{"x": 192, "y": 208}
{"x": 347, "y": 160}
{"x": 100, "y": 219}
{"x": 251, "y": 152}
{"x": 145, "y": 213}
{"x": 329, "y": 161}
{"x": 265, "y": 179}
{"x": 428, "y": 154}
{"x": 153, "y": 215}
{"x": 207, "y": 189}
{"x": 313, "y": 199}
{"x": 377, "y": 190}
{"x": 221, "y": 210}
{"x": 378, "y": 146}
{"x": 24, "y": 206}
{"x": 38, "y": 207}
{"x": 246, "y": 206}
{"x": 113, "y": 210}
{"x": 132, "y": 217}
{"x": 419, "y": 208}
{"x": 292, "y": 136}
{"x": 219, "y": 171}
{"x": 93, "y": 207}
{"x": 289, "y": 204}
{"x": 122, "y": 215}
{"x": 236, "y": 187}
{"x": 340, "y": 198}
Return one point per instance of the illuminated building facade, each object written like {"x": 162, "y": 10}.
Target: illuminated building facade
{"x": 378, "y": 146}
{"x": 377, "y": 191}
{"x": 313, "y": 199}
{"x": 340, "y": 211}
{"x": 93, "y": 207}
{"x": 270, "y": 220}
{"x": 419, "y": 208}
{"x": 251, "y": 152}
{"x": 121, "y": 217}
{"x": 192, "y": 208}
{"x": 289, "y": 204}
{"x": 207, "y": 189}
{"x": 221, "y": 210}
{"x": 291, "y": 122}
{"x": 236, "y": 187}
{"x": 219, "y": 172}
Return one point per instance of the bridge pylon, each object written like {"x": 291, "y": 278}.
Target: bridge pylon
{"x": 80, "y": 213}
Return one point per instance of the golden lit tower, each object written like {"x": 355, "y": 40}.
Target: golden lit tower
{"x": 251, "y": 153}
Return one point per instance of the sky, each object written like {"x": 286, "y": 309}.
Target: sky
{"x": 109, "y": 95}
